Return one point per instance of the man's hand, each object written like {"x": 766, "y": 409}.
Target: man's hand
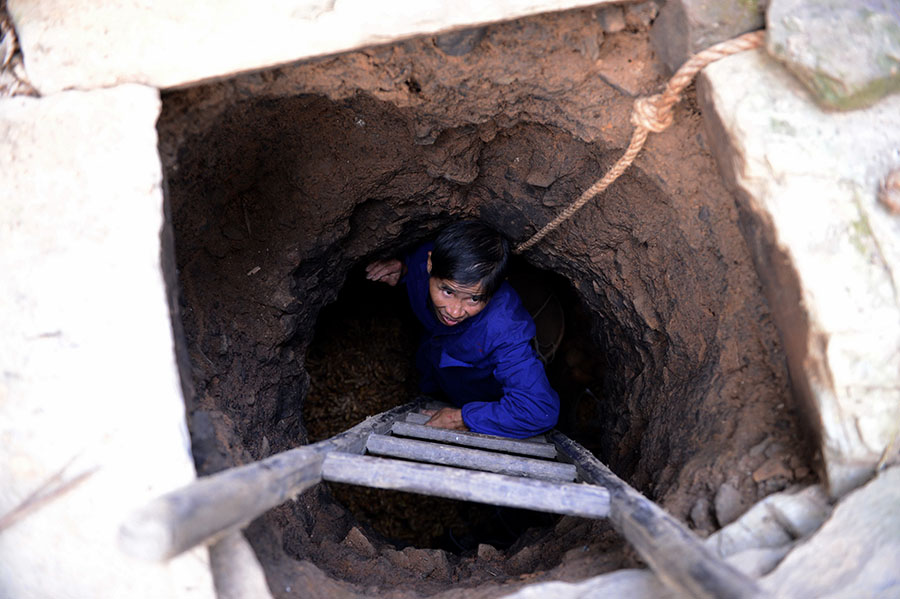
{"x": 446, "y": 418}
{"x": 385, "y": 271}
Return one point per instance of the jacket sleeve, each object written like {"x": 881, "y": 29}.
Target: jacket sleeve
{"x": 529, "y": 405}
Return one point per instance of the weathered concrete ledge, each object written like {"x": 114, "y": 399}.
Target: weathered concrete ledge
{"x": 168, "y": 43}
{"x": 827, "y": 252}
{"x": 89, "y": 397}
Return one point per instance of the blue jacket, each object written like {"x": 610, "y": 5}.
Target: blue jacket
{"x": 485, "y": 364}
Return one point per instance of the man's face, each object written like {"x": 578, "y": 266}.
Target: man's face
{"x": 452, "y": 302}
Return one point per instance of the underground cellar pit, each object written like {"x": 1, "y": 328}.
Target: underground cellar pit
{"x": 282, "y": 184}
{"x": 360, "y": 362}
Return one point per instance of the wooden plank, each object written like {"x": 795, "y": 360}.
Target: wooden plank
{"x": 677, "y": 556}
{"x": 417, "y": 418}
{"x": 587, "y": 501}
{"x": 518, "y": 446}
{"x": 476, "y": 459}
{"x": 215, "y": 505}
{"x": 354, "y": 440}
{"x": 536, "y": 439}
{"x": 420, "y": 418}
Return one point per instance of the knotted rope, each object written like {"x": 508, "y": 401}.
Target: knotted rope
{"x": 653, "y": 113}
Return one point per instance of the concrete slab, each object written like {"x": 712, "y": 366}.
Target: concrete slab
{"x": 827, "y": 252}
{"x": 90, "y": 403}
{"x": 166, "y": 43}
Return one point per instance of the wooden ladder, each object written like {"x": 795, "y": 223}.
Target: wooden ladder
{"x": 467, "y": 466}
{"x": 395, "y": 450}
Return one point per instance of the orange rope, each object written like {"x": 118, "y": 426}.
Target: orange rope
{"x": 653, "y": 113}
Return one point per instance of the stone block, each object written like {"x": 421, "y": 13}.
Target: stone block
{"x": 460, "y": 43}
{"x": 846, "y": 52}
{"x": 641, "y": 15}
{"x": 684, "y": 27}
{"x": 357, "y": 541}
{"x": 488, "y": 552}
{"x": 758, "y": 562}
{"x": 728, "y": 504}
{"x": 758, "y": 528}
{"x": 90, "y": 390}
{"x": 854, "y": 554}
{"x": 166, "y": 43}
{"x": 827, "y": 252}
{"x": 634, "y": 584}
{"x": 612, "y": 19}
{"x": 802, "y": 512}
{"x": 772, "y": 468}
{"x": 429, "y": 563}
{"x": 775, "y": 522}
{"x": 700, "y": 516}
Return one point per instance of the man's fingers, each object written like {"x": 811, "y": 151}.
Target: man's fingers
{"x": 450, "y": 418}
{"x": 387, "y": 271}
{"x": 377, "y": 272}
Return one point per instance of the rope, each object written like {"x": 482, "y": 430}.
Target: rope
{"x": 653, "y": 113}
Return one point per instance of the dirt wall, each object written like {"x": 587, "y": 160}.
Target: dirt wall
{"x": 281, "y": 182}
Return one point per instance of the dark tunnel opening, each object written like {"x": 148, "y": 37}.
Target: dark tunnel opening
{"x": 360, "y": 362}
{"x": 281, "y": 185}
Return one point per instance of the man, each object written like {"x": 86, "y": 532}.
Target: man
{"x": 476, "y": 346}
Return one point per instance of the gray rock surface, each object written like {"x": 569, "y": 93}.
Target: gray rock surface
{"x": 774, "y": 522}
{"x": 634, "y": 584}
{"x": 684, "y": 27}
{"x": 796, "y": 541}
{"x": 847, "y": 52}
{"x": 700, "y": 516}
{"x": 826, "y": 250}
{"x": 758, "y": 562}
{"x": 728, "y": 504}
{"x": 459, "y": 43}
{"x": 611, "y": 18}
{"x": 860, "y": 543}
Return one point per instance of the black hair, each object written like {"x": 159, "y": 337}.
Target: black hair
{"x": 469, "y": 252}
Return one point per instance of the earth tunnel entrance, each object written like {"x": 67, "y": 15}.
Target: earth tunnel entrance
{"x": 280, "y": 185}
{"x": 360, "y": 362}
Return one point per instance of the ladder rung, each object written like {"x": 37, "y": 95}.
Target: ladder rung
{"x": 519, "y": 446}
{"x": 417, "y": 418}
{"x": 420, "y": 418}
{"x": 477, "y": 459}
{"x": 587, "y": 501}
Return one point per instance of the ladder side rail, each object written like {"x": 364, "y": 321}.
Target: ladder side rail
{"x": 215, "y": 505}
{"x": 586, "y": 501}
{"x": 674, "y": 553}
{"x": 463, "y": 457}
